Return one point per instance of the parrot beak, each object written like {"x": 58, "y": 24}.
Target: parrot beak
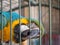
{"x": 30, "y": 34}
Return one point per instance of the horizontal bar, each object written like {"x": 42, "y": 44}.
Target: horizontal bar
{"x": 46, "y": 5}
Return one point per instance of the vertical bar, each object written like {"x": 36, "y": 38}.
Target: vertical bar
{"x": 2, "y": 19}
{"x": 40, "y": 19}
{"x": 19, "y": 2}
{"x": 50, "y": 21}
{"x": 58, "y": 3}
{"x": 10, "y": 22}
{"x": 30, "y": 19}
{"x": 59, "y": 10}
{"x": 58, "y": 14}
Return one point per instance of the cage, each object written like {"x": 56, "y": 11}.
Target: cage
{"x": 29, "y": 22}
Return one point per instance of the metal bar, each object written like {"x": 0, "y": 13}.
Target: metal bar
{"x": 46, "y": 5}
{"x": 29, "y": 19}
{"x": 40, "y": 19}
{"x": 58, "y": 3}
{"x": 50, "y": 21}
{"x": 10, "y": 22}
{"x": 19, "y": 2}
{"x": 2, "y": 19}
{"x": 58, "y": 15}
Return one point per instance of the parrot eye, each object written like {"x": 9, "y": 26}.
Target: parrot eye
{"x": 16, "y": 33}
{"x": 17, "y": 29}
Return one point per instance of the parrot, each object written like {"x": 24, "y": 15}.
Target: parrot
{"x": 17, "y": 26}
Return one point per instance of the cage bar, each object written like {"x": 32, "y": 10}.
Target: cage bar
{"x": 10, "y": 22}
{"x": 46, "y": 5}
{"x": 2, "y": 20}
{"x": 40, "y": 19}
{"x": 50, "y": 21}
{"x": 29, "y": 3}
{"x": 19, "y": 2}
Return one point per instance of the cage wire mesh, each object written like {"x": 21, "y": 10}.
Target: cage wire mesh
{"x": 29, "y": 22}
